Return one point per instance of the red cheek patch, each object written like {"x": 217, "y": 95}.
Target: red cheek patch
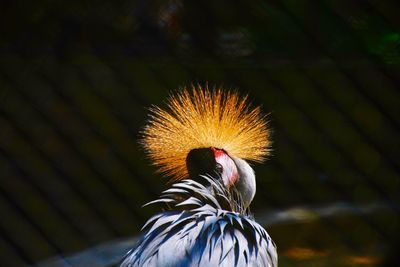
{"x": 230, "y": 172}
{"x": 217, "y": 152}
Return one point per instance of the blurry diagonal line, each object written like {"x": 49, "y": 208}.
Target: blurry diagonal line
{"x": 86, "y": 121}
{"x": 338, "y": 63}
{"x": 118, "y": 161}
{"x": 125, "y": 133}
{"x": 123, "y": 76}
{"x": 14, "y": 258}
{"x": 376, "y": 62}
{"x": 74, "y": 185}
{"x": 54, "y": 124}
{"x": 372, "y": 183}
{"x": 334, "y": 97}
{"x": 368, "y": 139}
{"x": 308, "y": 191}
{"x": 20, "y": 207}
{"x": 10, "y": 238}
{"x": 23, "y": 169}
{"x": 389, "y": 14}
{"x": 111, "y": 253}
{"x": 316, "y": 125}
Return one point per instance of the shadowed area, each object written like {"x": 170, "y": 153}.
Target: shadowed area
{"x": 77, "y": 79}
{"x": 110, "y": 253}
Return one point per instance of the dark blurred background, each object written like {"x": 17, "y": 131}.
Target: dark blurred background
{"x": 77, "y": 77}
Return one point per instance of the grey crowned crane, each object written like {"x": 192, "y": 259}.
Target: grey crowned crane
{"x": 203, "y": 141}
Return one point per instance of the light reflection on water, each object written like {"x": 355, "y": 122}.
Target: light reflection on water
{"x": 339, "y": 234}
{"x": 297, "y": 256}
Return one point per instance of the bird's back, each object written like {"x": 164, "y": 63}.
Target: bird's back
{"x": 197, "y": 231}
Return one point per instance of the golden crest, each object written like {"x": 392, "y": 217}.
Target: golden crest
{"x": 204, "y": 118}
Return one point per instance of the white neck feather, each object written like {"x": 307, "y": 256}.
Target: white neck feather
{"x": 246, "y": 184}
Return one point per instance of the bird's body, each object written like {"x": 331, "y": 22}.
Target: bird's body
{"x": 203, "y": 143}
{"x": 200, "y": 229}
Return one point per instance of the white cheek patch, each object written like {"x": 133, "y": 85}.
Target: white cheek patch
{"x": 229, "y": 170}
{"x": 246, "y": 183}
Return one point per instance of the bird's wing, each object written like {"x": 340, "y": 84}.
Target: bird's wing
{"x": 203, "y": 237}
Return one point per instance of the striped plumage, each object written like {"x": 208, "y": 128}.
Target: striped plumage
{"x": 202, "y": 142}
{"x": 202, "y": 226}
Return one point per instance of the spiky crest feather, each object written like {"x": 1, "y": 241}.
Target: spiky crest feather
{"x": 203, "y": 118}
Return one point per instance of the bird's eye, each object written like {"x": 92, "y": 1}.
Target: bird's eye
{"x": 219, "y": 168}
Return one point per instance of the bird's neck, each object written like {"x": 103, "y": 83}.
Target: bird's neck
{"x": 246, "y": 184}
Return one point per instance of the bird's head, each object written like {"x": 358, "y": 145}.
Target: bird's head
{"x": 232, "y": 172}
{"x": 209, "y": 133}
{"x": 213, "y": 162}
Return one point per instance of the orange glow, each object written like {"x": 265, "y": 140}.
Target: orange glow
{"x": 363, "y": 260}
{"x": 301, "y": 253}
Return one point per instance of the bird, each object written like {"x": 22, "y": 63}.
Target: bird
{"x": 203, "y": 141}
